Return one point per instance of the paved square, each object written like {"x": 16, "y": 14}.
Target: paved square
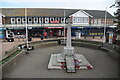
{"x": 34, "y": 65}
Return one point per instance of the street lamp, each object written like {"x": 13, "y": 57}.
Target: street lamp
{"x": 26, "y": 27}
{"x": 105, "y": 25}
{"x": 64, "y": 25}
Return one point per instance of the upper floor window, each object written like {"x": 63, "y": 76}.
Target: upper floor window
{"x": 95, "y": 21}
{"x": 99, "y": 21}
{"x": 35, "y": 20}
{"x": 30, "y": 20}
{"x": 41, "y": 20}
{"x": 80, "y": 20}
{"x": 47, "y": 20}
{"x": 62, "y": 20}
{"x": 12, "y": 20}
{"x": 18, "y": 20}
{"x": 23, "y": 20}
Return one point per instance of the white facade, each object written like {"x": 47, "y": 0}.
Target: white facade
{"x": 80, "y": 17}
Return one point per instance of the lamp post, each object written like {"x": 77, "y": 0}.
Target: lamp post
{"x": 64, "y": 25}
{"x": 105, "y": 25}
{"x": 26, "y": 27}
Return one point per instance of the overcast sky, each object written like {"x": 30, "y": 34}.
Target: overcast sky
{"x": 70, "y": 4}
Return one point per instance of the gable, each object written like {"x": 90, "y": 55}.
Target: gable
{"x": 79, "y": 13}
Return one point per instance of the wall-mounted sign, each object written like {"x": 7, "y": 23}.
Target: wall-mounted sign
{"x": 53, "y": 27}
{"x": 54, "y": 22}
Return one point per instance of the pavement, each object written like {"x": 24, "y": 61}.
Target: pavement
{"x": 34, "y": 65}
{"x": 6, "y": 46}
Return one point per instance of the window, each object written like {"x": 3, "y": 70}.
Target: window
{"x": 91, "y": 21}
{"x": 99, "y": 21}
{"x": 18, "y": 20}
{"x": 85, "y": 20}
{"x": 74, "y": 19}
{"x": 95, "y": 21}
{"x": 51, "y": 19}
{"x": 80, "y": 20}
{"x": 35, "y": 20}
{"x": 62, "y": 20}
{"x": 46, "y": 20}
{"x": 55, "y": 19}
{"x": 40, "y": 20}
{"x": 12, "y": 20}
{"x": 30, "y": 20}
{"x": 23, "y": 20}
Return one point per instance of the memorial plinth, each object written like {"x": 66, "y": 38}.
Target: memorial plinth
{"x": 68, "y": 59}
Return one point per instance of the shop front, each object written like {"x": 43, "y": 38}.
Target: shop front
{"x": 55, "y": 31}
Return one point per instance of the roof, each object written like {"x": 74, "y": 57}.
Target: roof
{"x": 37, "y": 12}
{"x": 98, "y": 14}
{"x": 54, "y": 12}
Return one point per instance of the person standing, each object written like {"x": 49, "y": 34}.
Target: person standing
{"x": 51, "y": 33}
{"x": 45, "y": 34}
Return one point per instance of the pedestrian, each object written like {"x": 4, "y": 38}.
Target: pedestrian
{"x": 45, "y": 34}
{"x": 51, "y": 33}
{"x": 41, "y": 36}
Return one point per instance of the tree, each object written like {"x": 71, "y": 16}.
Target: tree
{"x": 117, "y": 13}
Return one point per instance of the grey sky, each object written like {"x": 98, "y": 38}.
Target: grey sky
{"x": 71, "y": 4}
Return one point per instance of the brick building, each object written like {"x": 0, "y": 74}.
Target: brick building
{"x": 54, "y": 20}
